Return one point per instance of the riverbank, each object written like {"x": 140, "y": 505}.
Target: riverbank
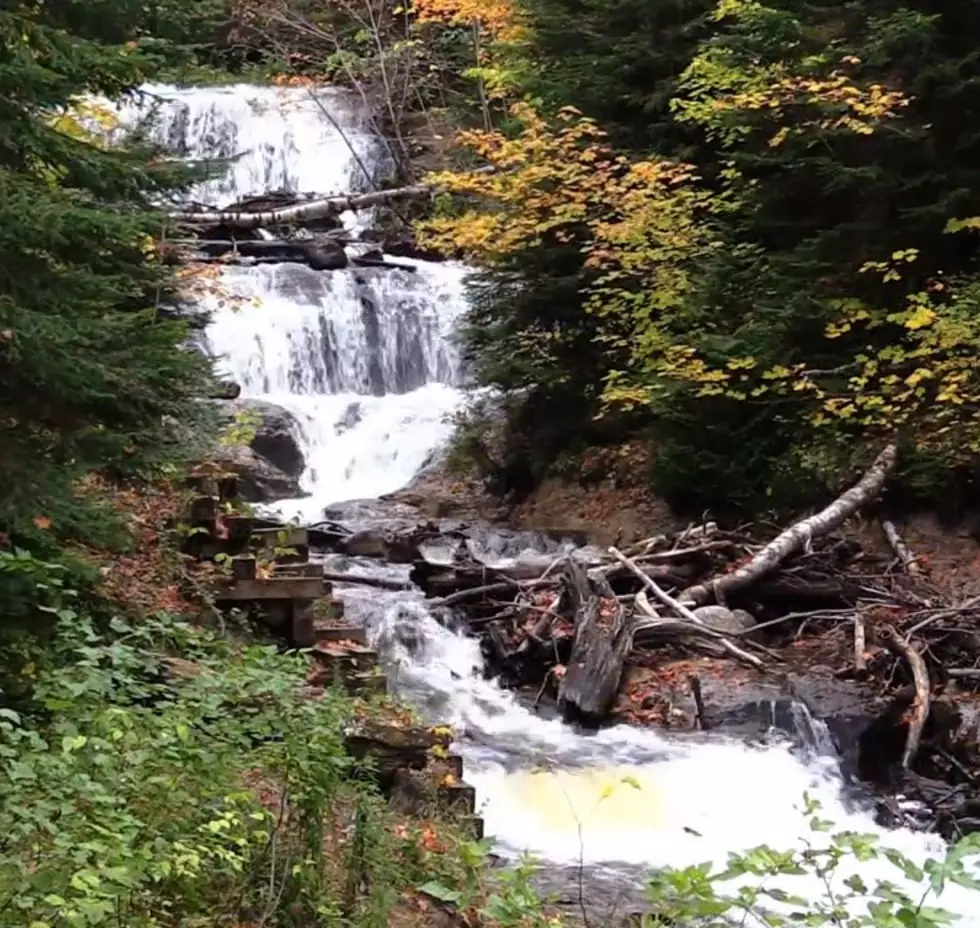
{"x": 169, "y": 759}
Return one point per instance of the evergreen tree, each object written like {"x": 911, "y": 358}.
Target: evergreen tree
{"x": 91, "y": 362}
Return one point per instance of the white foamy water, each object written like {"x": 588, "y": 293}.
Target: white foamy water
{"x": 364, "y": 359}
{"x": 626, "y": 799}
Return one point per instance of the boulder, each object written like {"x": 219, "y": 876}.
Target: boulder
{"x": 723, "y": 619}
{"x": 260, "y": 481}
{"x": 225, "y": 390}
{"x": 276, "y": 433}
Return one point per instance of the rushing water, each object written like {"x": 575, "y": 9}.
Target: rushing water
{"x": 364, "y": 359}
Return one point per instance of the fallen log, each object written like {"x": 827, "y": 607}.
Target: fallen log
{"x": 255, "y": 260}
{"x": 448, "y": 579}
{"x": 799, "y": 536}
{"x": 591, "y": 682}
{"x": 381, "y": 583}
{"x": 300, "y": 212}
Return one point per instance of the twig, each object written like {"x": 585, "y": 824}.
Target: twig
{"x": 859, "y": 642}
{"x": 698, "y": 702}
{"x": 683, "y": 611}
{"x": 800, "y": 535}
{"x": 908, "y": 559}
{"x": 920, "y": 676}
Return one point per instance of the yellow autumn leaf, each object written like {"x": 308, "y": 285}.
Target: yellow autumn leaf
{"x": 920, "y": 318}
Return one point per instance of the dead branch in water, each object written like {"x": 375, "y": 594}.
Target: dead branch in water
{"x": 920, "y": 676}
{"x": 381, "y": 583}
{"x": 799, "y": 536}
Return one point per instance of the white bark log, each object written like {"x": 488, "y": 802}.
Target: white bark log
{"x": 798, "y": 536}
{"x": 301, "y": 212}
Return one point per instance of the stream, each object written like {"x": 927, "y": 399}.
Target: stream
{"x": 365, "y": 360}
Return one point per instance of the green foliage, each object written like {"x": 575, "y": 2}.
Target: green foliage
{"x": 617, "y": 62}
{"x": 752, "y": 886}
{"x": 809, "y": 287}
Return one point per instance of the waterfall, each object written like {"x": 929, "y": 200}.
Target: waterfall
{"x": 364, "y": 358}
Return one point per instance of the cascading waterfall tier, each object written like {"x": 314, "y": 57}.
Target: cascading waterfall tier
{"x": 364, "y": 358}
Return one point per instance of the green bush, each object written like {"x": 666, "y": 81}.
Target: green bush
{"x": 153, "y": 774}
{"x": 747, "y": 890}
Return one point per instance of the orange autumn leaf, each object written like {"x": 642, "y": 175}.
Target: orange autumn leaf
{"x": 42, "y": 522}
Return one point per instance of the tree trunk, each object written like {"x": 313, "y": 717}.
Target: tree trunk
{"x": 591, "y": 683}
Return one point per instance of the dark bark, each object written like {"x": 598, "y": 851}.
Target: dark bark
{"x": 592, "y": 678}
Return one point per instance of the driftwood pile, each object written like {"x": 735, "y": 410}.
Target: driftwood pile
{"x": 280, "y": 227}
{"x": 715, "y": 591}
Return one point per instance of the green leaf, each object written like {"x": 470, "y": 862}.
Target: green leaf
{"x": 440, "y": 891}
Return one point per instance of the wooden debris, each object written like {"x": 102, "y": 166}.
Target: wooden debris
{"x": 904, "y": 555}
{"x": 920, "y": 676}
{"x": 860, "y": 644}
{"x": 602, "y": 640}
{"x": 684, "y": 612}
{"x": 801, "y": 535}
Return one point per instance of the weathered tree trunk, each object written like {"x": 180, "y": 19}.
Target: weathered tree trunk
{"x": 602, "y": 640}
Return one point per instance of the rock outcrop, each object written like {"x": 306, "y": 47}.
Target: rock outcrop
{"x": 275, "y": 432}
{"x": 260, "y": 481}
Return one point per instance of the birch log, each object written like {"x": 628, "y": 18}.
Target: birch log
{"x": 301, "y": 212}
{"x": 799, "y": 535}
